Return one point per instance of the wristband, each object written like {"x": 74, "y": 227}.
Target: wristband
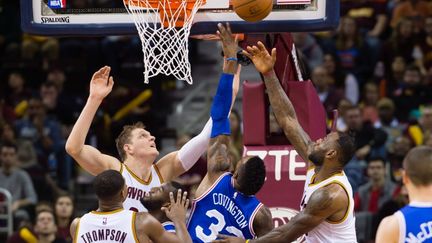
{"x": 232, "y": 59}
{"x": 247, "y": 241}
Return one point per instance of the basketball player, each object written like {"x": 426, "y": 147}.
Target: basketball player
{"x": 157, "y": 198}
{"x": 412, "y": 223}
{"x": 327, "y": 206}
{"x": 135, "y": 145}
{"x": 112, "y": 223}
{"x": 225, "y": 202}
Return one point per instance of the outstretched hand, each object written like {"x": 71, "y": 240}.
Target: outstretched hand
{"x": 101, "y": 83}
{"x": 228, "y": 239}
{"x": 176, "y": 211}
{"x": 229, "y": 43}
{"x": 263, "y": 61}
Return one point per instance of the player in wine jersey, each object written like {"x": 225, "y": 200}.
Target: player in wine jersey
{"x": 112, "y": 223}
{"x": 225, "y": 202}
{"x": 136, "y": 147}
{"x": 327, "y": 213}
{"x": 412, "y": 223}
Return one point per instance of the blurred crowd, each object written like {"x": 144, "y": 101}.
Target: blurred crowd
{"x": 376, "y": 68}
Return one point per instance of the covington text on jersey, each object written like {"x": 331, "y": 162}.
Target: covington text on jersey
{"x": 229, "y": 205}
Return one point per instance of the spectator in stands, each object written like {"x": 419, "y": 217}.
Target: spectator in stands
{"x": 396, "y": 154}
{"x": 47, "y": 47}
{"x": 369, "y": 102}
{"x": 369, "y": 140}
{"x": 340, "y": 79}
{"x": 371, "y": 19}
{"x": 312, "y": 53}
{"x": 401, "y": 43}
{"x": 42, "y": 130}
{"x": 64, "y": 212}
{"x": 7, "y": 114}
{"x": 393, "y": 76}
{"x": 25, "y": 151}
{"x": 352, "y": 50}
{"x": 328, "y": 95}
{"x": 16, "y": 92}
{"x": 387, "y": 121}
{"x": 408, "y": 96}
{"x": 425, "y": 47}
{"x": 418, "y": 131}
{"x": 16, "y": 181}
{"x": 377, "y": 191}
{"x": 46, "y": 228}
{"x": 343, "y": 106}
{"x": 415, "y": 9}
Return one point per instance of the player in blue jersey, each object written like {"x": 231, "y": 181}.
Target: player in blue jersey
{"x": 412, "y": 223}
{"x": 225, "y": 202}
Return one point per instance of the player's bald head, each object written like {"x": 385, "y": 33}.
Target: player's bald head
{"x": 418, "y": 165}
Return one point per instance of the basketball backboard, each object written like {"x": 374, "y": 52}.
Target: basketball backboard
{"x": 109, "y": 17}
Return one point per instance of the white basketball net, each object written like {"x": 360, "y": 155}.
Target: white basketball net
{"x": 164, "y": 28}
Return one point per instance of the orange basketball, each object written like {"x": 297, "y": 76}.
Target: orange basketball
{"x": 252, "y": 10}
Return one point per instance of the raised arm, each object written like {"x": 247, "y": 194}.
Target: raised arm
{"x": 282, "y": 106}
{"x": 88, "y": 157}
{"x": 178, "y": 162}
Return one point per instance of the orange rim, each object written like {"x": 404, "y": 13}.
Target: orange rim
{"x": 174, "y": 5}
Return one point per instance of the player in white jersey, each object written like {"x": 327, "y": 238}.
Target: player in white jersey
{"x": 135, "y": 145}
{"x": 112, "y": 223}
{"x": 327, "y": 205}
{"x": 413, "y": 223}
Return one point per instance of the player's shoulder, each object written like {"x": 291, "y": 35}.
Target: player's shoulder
{"x": 329, "y": 196}
{"x": 263, "y": 214}
{"x": 388, "y": 230}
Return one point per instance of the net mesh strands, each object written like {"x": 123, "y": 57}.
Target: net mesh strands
{"x": 164, "y": 27}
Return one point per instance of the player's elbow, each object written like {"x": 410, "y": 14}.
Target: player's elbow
{"x": 72, "y": 149}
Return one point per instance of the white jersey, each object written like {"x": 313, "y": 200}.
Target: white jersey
{"x": 342, "y": 231}
{"x": 114, "y": 226}
{"x": 137, "y": 187}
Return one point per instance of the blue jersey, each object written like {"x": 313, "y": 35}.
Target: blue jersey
{"x": 222, "y": 210}
{"x": 415, "y": 223}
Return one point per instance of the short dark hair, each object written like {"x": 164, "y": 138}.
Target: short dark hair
{"x": 125, "y": 136}
{"x": 108, "y": 184}
{"x": 418, "y": 165}
{"x": 8, "y": 144}
{"x": 346, "y": 147}
{"x": 376, "y": 158}
{"x": 252, "y": 176}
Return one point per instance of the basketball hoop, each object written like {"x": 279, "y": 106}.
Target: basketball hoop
{"x": 164, "y": 28}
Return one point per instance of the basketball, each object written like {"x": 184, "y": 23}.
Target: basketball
{"x": 252, "y": 10}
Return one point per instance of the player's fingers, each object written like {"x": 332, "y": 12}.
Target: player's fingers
{"x": 247, "y": 54}
{"x": 171, "y": 195}
{"x": 184, "y": 197}
{"x": 261, "y": 46}
{"x": 110, "y": 81}
{"x": 255, "y": 50}
{"x": 250, "y": 50}
{"x": 273, "y": 53}
{"x": 228, "y": 28}
{"x": 179, "y": 196}
{"x": 222, "y": 29}
{"x": 164, "y": 209}
{"x": 186, "y": 205}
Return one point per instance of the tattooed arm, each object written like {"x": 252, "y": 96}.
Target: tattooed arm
{"x": 327, "y": 203}
{"x": 282, "y": 106}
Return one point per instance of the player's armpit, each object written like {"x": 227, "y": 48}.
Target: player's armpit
{"x": 170, "y": 166}
{"x": 388, "y": 230}
{"x": 263, "y": 222}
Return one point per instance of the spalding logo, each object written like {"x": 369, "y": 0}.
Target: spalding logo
{"x": 282, "y": 216}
